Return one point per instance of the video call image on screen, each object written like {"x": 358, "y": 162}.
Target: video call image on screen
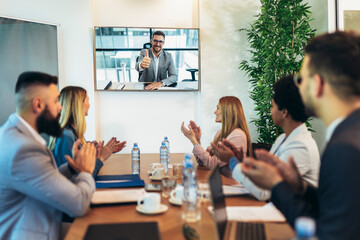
{"x": 117, "y": 50}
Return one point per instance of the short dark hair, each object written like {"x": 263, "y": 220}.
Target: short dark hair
{"x": 336, "y": 58}
{"x": 27, "y": 79}
{"x": 287, "y": 96}
{"x": 159, "y": 33}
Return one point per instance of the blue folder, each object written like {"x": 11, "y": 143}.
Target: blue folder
{"x": 118, "y": 181}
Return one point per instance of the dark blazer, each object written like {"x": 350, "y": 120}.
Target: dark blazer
{"x": 335, "y": 205}
{"x": 166, "y": 68}
{"x": 64, "y": 146}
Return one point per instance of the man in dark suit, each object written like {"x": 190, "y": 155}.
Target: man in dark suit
{"x": 156, "y": 65}
{"x": 330, "y": 89}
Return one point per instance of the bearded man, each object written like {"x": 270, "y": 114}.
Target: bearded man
{"x": 34, "y": 192}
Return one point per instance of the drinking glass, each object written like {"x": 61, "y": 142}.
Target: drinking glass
{"x": 168, "y": 184}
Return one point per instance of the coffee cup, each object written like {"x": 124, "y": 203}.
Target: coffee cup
{"x": 158, "y": 172}
{"x": 156, "y": 165}
{"x": 177, "y": 194}
{"x": 151, "y": 202}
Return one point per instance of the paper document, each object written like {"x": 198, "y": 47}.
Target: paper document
{"x": 233, "y": 190}
{"x": 117, "y": 196}
{"x": 267, "y": 213}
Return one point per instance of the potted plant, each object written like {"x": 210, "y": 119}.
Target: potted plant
{"x": 277, "y": 38}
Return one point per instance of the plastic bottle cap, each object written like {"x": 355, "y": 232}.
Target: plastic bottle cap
{"x": 165, "y": 138}
{"x": 135, "y": 144}
{"x": 305, "y": 227}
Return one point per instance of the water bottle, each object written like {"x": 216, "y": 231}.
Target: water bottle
{"x": 167, "y": 144}
{"x": 305, "y": 229}
{"x": 135, "y": 159}
{"x": 164, "y": 156}
{"x": 191, "y": 206}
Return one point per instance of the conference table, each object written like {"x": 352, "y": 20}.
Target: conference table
{"x": 170, "y": 222}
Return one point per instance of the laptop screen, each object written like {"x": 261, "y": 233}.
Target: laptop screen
{"x": 218, "y": 201}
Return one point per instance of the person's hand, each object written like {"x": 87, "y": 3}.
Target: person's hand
{"x": 262, "y": 174}
{"x": 189, "y": 133}
{"x": 118, "y": 146}
{"x": 154, "y": 86}
{"x": 210, "y": 150}
{"x": 223, "y": 152}
{"x": 239, "y": 153}
{"x": 84, "y": 161}
{"x": 146, "y": 60}
{"x": 196, "y": 129}
{"x": 75, "y": 149}
{"x": 288, "y": 171}
{"x": 104, "y": 152}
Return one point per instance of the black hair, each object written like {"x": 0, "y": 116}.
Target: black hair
{"x": 287, "y": 96}
{"x": 336, "y": 58}
{"x": 159, "y": 33}
{"x": 27, "y": 79}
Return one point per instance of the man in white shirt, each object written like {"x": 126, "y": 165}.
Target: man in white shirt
{"x": 156, "y": 65}
{"x": 34, "y": 192}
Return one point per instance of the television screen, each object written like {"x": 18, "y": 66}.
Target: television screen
{"x": 117, "y": 51}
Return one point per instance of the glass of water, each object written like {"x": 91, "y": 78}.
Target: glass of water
{"x": 168, "y": 184}
{"x": 203, "y": 190}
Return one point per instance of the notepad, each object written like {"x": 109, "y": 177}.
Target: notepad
{"x": 266, "y": 213}
{"x": 117, "y": 196}
{"x": 234, "y": 190}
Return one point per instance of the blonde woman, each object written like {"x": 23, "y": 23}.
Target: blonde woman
{"x": 230, "y": 114}
{"x": 75, "y": 106}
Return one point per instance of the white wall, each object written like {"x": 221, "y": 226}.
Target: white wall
{"x": 146, "y": 117}
{"x": 74, "y": 40}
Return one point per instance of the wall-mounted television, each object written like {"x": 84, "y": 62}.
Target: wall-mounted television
{"x": 117, "y": 50}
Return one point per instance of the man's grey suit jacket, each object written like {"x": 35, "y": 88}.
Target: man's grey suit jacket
{"x": 33, "y": 191}
{"x": 166, "y": 70}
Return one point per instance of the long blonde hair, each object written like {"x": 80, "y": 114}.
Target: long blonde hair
{"x": 72, "y": 101}
{"x": 233, "y": 117}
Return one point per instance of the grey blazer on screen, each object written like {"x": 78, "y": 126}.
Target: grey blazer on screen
{"x": 166, "y": 70}
{"x": 33, "y": 191}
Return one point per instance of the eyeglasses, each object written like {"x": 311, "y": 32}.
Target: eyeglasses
{"x": 157, "y": 41}
{"x": 297, "y": 80}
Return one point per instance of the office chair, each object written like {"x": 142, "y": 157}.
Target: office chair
{"x": 265, "y": 146}
{"x": 192, "y": 71}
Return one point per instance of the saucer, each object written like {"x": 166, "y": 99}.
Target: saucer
{"x": 154, "y": 178}
{"x": 163, "y": 208}
{"x": 173, "y": 201}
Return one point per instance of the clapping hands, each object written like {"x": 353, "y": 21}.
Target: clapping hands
{"x": 83, "y": 159}
{"x": 190, "y": 133}
{"x": 268, "y": 170}
{"x": 225, "y": 150}
{"x": 112, "y": 146}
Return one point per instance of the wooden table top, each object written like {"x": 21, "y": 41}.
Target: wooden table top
{"x": 170, "y": 222}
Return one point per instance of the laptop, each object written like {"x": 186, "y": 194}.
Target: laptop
{"x": 123, "y": 231}
{"x": 227, "y": 230}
